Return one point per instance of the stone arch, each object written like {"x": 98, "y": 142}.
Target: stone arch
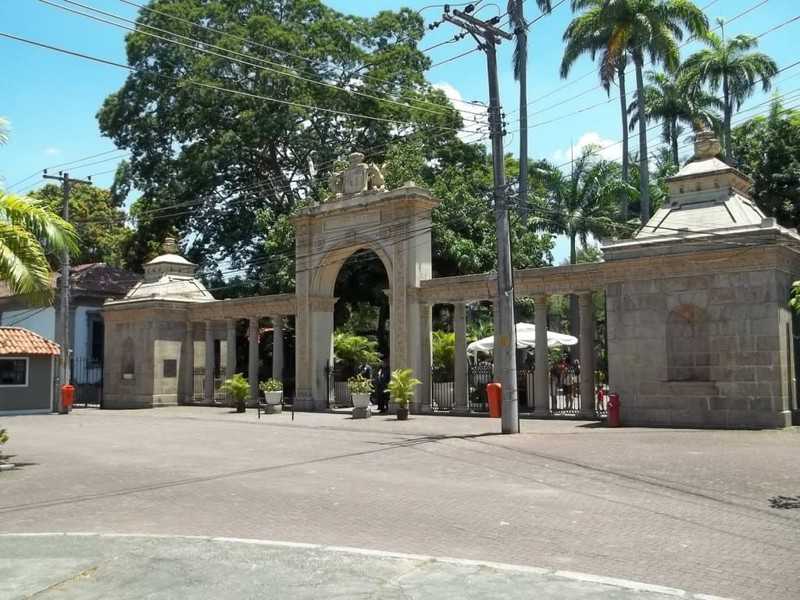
{"x": 324, "y": 276}
{"x": 688, "y": 344}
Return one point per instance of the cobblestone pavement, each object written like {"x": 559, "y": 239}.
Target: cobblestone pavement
{"x": 695, "y": 510}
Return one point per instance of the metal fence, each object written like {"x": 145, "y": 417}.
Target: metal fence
{"x": 87, "y": 379}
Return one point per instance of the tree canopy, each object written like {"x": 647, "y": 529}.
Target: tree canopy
{"x": 224, "y": 148}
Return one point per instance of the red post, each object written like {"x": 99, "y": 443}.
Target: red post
{"x": 495, "y": 393}
{"x": 612, "y": 408}
{"x": 67, "y": 397}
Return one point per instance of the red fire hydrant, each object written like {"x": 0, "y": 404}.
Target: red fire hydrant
{"x": 612, "y": 408}
{"x": 494, "y": 391}
{"x": 67, "y": 397}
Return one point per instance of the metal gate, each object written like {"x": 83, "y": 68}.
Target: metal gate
{"x": 87, "y": 378}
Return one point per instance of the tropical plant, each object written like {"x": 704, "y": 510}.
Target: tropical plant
{"x": 271, "y": 385}
{"x": 352, "y": 351}
{"x": 582, "y": 203}
{"x": 635, "y": 29}
{"x": 401, "y": 387}
{"x": 516, "y": 14}
{"x": 3, "y": 436}
{"x": 237, "y": 389}
{"x": 675, "y": 100}
{"x": 443, "y": 350}
{"x": 732, "y": 66}
{"x": 28, "y": 232}
{"x": 360, "y": 385}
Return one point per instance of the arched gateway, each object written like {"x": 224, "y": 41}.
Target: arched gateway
{"x": 396, "y": 226}
{"x": 187, "y": 341}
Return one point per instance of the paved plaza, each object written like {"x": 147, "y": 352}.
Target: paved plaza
{"x": 708, "y": 512}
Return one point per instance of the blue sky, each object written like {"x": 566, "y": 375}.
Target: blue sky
{"x": 51, "y": 99}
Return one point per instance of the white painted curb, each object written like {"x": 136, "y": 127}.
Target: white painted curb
{"x": 570, "y": 575}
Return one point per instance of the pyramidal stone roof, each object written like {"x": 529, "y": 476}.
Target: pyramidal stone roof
{"x": 170, "y": 277}
{"x": 707, "y": 194}
{"x": 18, "y": 341}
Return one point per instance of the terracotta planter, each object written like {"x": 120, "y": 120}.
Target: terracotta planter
{"x": 402, "y": 414}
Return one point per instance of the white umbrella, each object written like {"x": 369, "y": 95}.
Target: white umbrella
{"x": 526, "y": 338}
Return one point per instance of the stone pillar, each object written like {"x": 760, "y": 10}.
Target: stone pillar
{"x": 188, "y": 364}
{"x": 208, "y": 381}
{"x": 587, "y": 355}
{"x": 252, "y": 358}
{"x": 460, "y": 385}
{"x": 277, "y": 347}
{"x": 541, "y": 386}
{"x": 425, "y": 364}
{"x": 230, "y": 349}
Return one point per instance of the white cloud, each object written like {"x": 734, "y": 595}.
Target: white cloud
{"x": 610, "y": 149}
{"x": 474, "y": 125}
{"x": 52, "y": 151}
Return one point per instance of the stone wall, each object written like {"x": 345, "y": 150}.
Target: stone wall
{"x": 702, "y": 351}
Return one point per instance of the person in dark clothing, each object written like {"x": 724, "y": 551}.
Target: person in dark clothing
{"x": 381, "y": 381}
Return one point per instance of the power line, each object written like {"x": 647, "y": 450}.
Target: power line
{"x": 193, "y": 47}
{"x": 183, "y": 80}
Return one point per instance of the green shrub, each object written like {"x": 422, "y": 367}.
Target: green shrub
{"x": 359, "y": 385}
{"x": 444, "y": 349}
{"x": 401, "y": 387}
{"x": 352, "y": 351}
{"x": 238, "y": 388}
{"x": 271, "y": 385}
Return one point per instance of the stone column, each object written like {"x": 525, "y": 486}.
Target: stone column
{"x": 587, "y": 355}
{"x": 460, "y": 385}
{"x": 230, "y": 349}
{"x": 188, "y": 364}
{"x": 541, "y": 386}
{"x": 425, "y": 364}
{"x": 208, "y": 381}
{"x": 252, "y": 358}
{"x": 277, "y": 347}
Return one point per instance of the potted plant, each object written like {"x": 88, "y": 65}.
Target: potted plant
{"x": 401, "y": 387}
{"x": 273, "y": 392}
{"x": 238, "y": 389}
{"x": 360, "y": 389}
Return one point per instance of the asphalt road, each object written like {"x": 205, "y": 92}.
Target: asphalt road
{"x": 704, "y": 511}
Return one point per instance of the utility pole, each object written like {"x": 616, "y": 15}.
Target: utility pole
{"x": 62, "y": 334}
{"x": 488, "y": 37}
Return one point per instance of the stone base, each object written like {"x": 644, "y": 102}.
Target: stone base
{"x": 362, "y": 413}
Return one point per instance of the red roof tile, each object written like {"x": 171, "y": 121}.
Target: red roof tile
{"x": 18, "y": 341}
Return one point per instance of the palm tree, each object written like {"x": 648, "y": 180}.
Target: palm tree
{"x": 675, "y": 101}
{"x": 517, "y": 16}
{"x": 28, "y": 231}
{"x": 587, "y": 34}
{"x": 582, "y": 203}
{"x": 634, "y": 29}
{"x": 731, "y": 65}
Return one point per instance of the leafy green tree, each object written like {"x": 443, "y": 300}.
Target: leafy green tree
{"x": 99, "y": 223}
{"x": 675, "y": 101}
{"x": 443, "y": 348}
{"x": 240, "y": 163}
{"x": 636, "y": 29}
{"x": 516, "y": 13}
{"x": 732, "y": 66}
{"x": 28, "y": 232}
{"x": 768, "y": 149}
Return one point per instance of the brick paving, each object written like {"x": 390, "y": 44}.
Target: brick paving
{"x": 679, "y": 508}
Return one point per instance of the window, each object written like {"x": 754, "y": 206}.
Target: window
{"x": 170, "y": 367}
{"x": 128, "y": 359}
{"x": 13, "y": 372}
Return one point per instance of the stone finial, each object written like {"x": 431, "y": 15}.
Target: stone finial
{"x": 170, "y": 246}
{"x": 356, "y": 158}
{"x": 706, "y": 145}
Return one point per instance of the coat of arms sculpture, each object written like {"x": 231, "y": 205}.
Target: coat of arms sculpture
{"x": 357, "y": 178}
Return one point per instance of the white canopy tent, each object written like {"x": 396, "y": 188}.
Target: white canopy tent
{"x": 526, "y": 338}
